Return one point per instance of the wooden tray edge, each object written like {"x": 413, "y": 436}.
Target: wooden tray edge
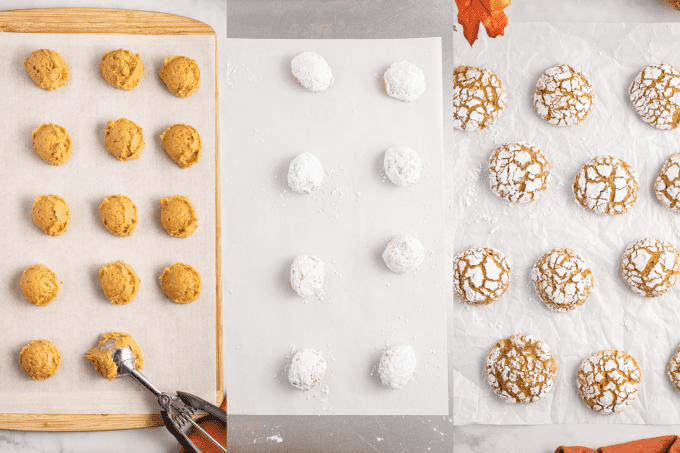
{"x": 124, "y": 21}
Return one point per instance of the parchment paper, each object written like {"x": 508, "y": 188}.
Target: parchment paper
{"x": 613, "y": 317}
{"x": 366, "y": 307}
{"x": 177, "y": 341}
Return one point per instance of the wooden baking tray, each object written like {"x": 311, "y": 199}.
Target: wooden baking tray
{"x": 101, "y": 20}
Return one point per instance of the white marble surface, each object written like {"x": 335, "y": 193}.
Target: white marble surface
{"x": 152, "y": 440}
{"x": 545, "y": 438}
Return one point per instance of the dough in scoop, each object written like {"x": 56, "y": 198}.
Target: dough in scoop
{"x": 100, "y": 355}
{"x": 122, "y": 69}
{"x": 51, "y": 214}
{"x": 47, "y": 69}
{"x": 40, "y": 359}
{"x": 181, "y": 75}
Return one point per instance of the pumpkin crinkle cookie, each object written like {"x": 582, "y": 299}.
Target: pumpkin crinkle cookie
{"x": 519, "y": 172}
{"x": 480, "y": 275}
{"x": 564, "y": 96}
{"x": 521, "y": 369}
{"x": 650, "y": 266}
{"x": 667, "y": 184}
{"x": 674, "y": 369}
{"x": 562, "y": 279}
{"x": 606, "y": 185}
{"x": 478, "y": 98}
{"x": 608, "y": 381}
{"x": 655, "y": 94}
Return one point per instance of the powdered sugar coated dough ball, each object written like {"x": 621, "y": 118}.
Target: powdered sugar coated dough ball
{"x": 402, "y": 165}
{"x": 397, "y": 365}
{"x": 306, "y": 369}
{"x": 306, "y": 275}
{"x": 403, "y": 254}
{"x": 404, "y": 81}
{"x": 305, "y": 173}
{"x": 312, "y": 71}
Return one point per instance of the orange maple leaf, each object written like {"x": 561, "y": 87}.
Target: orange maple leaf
{"x": 488, "y": 12}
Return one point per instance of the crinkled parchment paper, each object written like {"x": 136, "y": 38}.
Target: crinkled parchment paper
{"x": 613, "y": 317}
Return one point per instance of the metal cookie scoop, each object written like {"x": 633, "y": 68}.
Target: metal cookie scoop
{"x": 174, "y": 415}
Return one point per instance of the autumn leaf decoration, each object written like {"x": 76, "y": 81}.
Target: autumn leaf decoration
{"x": 488, "y": 12}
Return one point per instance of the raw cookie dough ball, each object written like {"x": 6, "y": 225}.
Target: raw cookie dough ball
{"x": 521, "y": 369}
{"x": 181, "y": 75}
{"x": 519, "y": 172}
{"x": 305, "y": 173}
{"x": 404, "y": 81}
{"x": 650, "y": 266}
{"x": 101, "y": 355}
{"x": 403, "y": 254}
{"x": 312, "y": 71}
{"x": 51, "y": 214}
{"x": 306, "y": 369}
{"x": 52, "y": 144}
{"x": 562, "y": 279}
{"x": 122, "y": 69}
{"x": 39, "y": 285}
{"x": 606, "y": 185}
{"x": 564, "y": 96}
{"x": 397, "y": 365}
{"x": 608, "y": 381}
{"x": 119, "y": 215}
{"x": 182, "y": 144}
{"x": 181, "y": 283}
{"x": 655, "y": 94}
{"x": 667, "y": 184}
{"x": 119, "y": 282}
{"x": 123, "y": 139}
{"x": 480, "y": 275}
{"x": 478, "y": 98}
{"x": 306, "y": 275}
{"x": 402, "y": 165}
{"x": 47, "y": 69}
{"x": 178, "y": 216}
{"x": 40, "y": 359}
{"x": 674, "y": 369}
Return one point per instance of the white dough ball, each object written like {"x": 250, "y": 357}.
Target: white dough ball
{"x": 306, "y": 369}
{"x": 404, "y": 81}
{"x": 402, "y": 165}
{"x": 306, "y": 275}
{"x": 397, "y": 365}
{"x": 305, "y": 173}
{"x": 312, "y": 71}
{"x": 403, "y": 254}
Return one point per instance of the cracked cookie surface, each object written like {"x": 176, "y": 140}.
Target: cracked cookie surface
{"x": 650, "y": 266}
{"x": 674, "y": 369}
{"x": 562, "y": 279}
{"x": 655, "y": 94}
{"x": 519, "y": 172}
{"x": 521, "y": 369}
{"x": 564, "y": 96}
{"x": 608, "y": 381}
{"x": 480, "y": 275}
{"x": 606, "y": 185}
{"x": 667, "y": 184}
{"x": 478, "y": 98}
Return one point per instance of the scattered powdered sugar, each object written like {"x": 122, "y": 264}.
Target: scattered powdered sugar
{"x": 276, "y": 438}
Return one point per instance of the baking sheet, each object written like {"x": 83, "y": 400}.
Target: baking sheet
{"x": 177, "y": 341}
{"x": 366, "y": 307}
{"x": 613, "y": 317}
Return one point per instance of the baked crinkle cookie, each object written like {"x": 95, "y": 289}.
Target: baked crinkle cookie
{"x": 608, "y": 381}
{"x": 306, "y": 369}
{"x": 562, "y": 279}
{"x": 180, "y": 75}
{"x": 521, "y": 369}
{"x": 655, "y": 94}
{"x": 650, "y": 266}
{"x": 397, "y": 365}
{"x": 312, "y": 71}
{"x": 519, "y": 172}
{"x": 52, "y": 144}
{"x": 480, "y": 275}
{"x": 47, "y": 69}
{"x": 667, "y": 184}
{"x": 122, "y": 69}
{"x": 403, "y": 254}
{"x": 606, "y": 185}
{"x": 674, "y": 369}
{"x": 404, "y": 81}
{"x": 564, "y": 96}
{"x": 478, "y": 98}
{"x": 307, "y": 275}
